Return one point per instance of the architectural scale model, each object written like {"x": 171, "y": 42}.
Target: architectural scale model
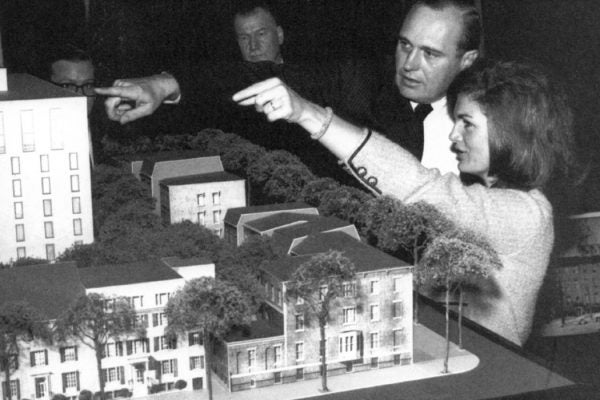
{"x": 45, "y": 197}
{"x": 134, "y": 363}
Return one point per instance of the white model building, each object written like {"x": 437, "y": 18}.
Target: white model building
{"x": 137, "y": 364}
{"x": 45, "y": 192}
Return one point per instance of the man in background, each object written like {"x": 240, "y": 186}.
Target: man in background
{"x": 72, "y": 69}
{"x": 438, "y": 39}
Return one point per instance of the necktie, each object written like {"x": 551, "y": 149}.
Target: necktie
{"x": 421, "y": 112}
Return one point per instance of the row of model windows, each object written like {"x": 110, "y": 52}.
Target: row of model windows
{"x": 40, "y": 357}
{"x": 251, "y": 358}
{"x": 349, "y": 314}
{"x": 50, "y": 251}
{"x": 201, "y": 199}
{"x": 15, "y": 163}
{"x": 47, "y": 207}
{"x": 216, "y": 216}
{"x": 142, "y": 346}
{"x": 46, "y": 187}
{"x": 48, "y": 229}
{"x": 56, "y": 128}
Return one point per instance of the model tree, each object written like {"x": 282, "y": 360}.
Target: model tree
{"x": 319, "y": 282}
{"x": 19, "y": 323}
{"x": 405, "y": 230}
{"x": 211, "y": 306}
{"x": 95, "y": 319}
{"x": 458, "y": 261}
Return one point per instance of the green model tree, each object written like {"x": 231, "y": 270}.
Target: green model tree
{"x": 458, "y": 261}
{"x": 95, "y": 319}
{"x": 212, "y": 306}
{"x": 319, "y": 282}
{"x": 19, "y": 323}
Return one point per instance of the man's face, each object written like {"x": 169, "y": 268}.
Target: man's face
{"x": 258, "y": 36}
{"x": 78, "y": 73}
{"x": 427, "y": 55}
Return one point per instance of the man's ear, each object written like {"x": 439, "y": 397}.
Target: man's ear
{"x": 280, "y": 35}
{"x": 468, "y": 59}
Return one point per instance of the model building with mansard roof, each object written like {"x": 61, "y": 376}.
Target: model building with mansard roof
{"x": 45, "y": 193}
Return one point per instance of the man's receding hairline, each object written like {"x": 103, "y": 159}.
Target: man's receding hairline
{"x": 254, "y": 11}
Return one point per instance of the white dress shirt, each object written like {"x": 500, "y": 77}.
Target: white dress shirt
{"x": 436, "y": 143}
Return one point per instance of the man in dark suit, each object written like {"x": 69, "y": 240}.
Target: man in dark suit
{"x": 437, "y": 40}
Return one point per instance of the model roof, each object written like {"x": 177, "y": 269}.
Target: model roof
{"x": 279, "y": 220}
{"x": 150, "y": 161}
{"x": 201, "y": 178}
{"x": 28, "y": 87}
{"x": 261, "y": 328}
{"x": 364, "y": 257}
{"x": 186, "y": 262}
{"x": 50, "y": 288}
{"x": 124, "y": 274}
{"x": 233, "y": 215}
{"x": 283, "y": 237}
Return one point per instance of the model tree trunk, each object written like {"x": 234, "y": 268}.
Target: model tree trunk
{"x": 98, "y": 353}
{"x": 208, "y": 351}
{"x": 445, "y": 371}
{"x": 323, "y": 348}
{"x": 460, "y": 314}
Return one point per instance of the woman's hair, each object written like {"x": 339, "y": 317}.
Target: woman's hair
{"x": 530, "y": 124}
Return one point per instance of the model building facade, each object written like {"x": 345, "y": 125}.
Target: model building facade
{"x": 45, "y": 161}
{"x": 369, "y": 327}
{"x": 139, "y": 365}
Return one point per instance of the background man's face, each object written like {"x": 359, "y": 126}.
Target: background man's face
{"x": 258, "y": 36}
{"x": 74, "y": 72}
{"x": 427, "y": 55}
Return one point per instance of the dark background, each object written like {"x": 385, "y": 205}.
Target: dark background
{"x": 130, "y": 38}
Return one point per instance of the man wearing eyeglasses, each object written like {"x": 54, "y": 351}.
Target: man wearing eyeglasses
{"x": 72, "y": 68}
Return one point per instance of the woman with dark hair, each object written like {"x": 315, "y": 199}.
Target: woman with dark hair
{"x": 512, "y": 133}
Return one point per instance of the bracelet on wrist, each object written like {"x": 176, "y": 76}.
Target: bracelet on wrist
{"x": 328, "y": 118}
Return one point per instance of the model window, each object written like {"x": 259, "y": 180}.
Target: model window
{"x": 374, "y": 287}
{"x": 348, "y": 289}
{"x": 397, "y": 309}
{"x": 197, "y": 362}
{"x": 44, "y": 163}
{"x": 374, "y": 312}
{"x": 202, "y": 218}
{"x": 50, "y": 252}
{"x": 77, "y": 230}
{"x": 15, "y": 165}
{"x": 349, "y": 315}
{"x": 299, "y": 351}
{"x": 374, "y": 340}
{"x": 76, "y": 205}
{"x": 70, "y": 381}
{"x": 21, "y": 253}
{"x": 27, "y": 132}
{"x": 169, "y": 366}
{"x": 39, "y": 357}
{"x": 216, "y": 216}
{"x": 47, "y": 203}
{"x": 20, "y": 232}
{"x": 201, "y": 199}
{"x": 68, "y": 354}
{"x": 73, "y": 161}
{"x": 251, "y": 358}
{"x": 49, "y": 229}
{"x": 17, "y": 188}
{"x": 56, "y": 129}
{"x": 299, "y": 322}
{"x": 277, "y": 355}
{"x": 216, "y": 196}
{"x": 74, "y": 183}
{"x": 46, "y": 189}
{"x": 18, "y": 210}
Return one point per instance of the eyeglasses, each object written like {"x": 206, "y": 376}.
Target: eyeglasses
{"x": 87, "y": 89}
